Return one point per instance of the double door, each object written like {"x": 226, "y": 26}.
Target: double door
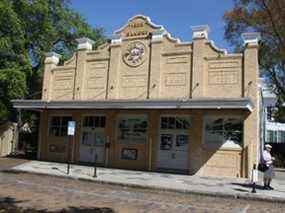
{"x": 173, "y": 144}
{"x": 93, "y": 139}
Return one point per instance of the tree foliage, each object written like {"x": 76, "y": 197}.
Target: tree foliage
{"x": 29, "y": 29}
{"x": 268, "y": 18}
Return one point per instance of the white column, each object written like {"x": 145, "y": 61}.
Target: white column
{"x": 84, "y": 43}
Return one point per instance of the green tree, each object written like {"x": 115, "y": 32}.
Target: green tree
{"x": 268, "y": 18}
{"x": 28, "y": 29}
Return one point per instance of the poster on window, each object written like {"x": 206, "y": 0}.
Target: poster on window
{"x": 132, "y": 129}
{"x": 181, "y": 140}
{"x": 129, "y": 154}
{"x": 99, "y": 139}
{"x": 166, "y": 141}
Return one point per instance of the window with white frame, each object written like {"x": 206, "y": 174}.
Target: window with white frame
{"x": 271, "y": 136}
{"x": 270, "y": 113}
{"x": 58, "y": 125}
{"x": 274, "y": 136}
{"x": 223, "y": 130}
{"x": 282, "y": 136}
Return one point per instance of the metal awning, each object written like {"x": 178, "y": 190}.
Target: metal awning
{"x": 201, "y": 103}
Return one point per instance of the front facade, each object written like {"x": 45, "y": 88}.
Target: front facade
{"x": 146, "y": 101}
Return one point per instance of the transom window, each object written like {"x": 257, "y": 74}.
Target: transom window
{"x": 94, "y": 121}
{"x": 223, "y": 130}
{"x": 58, "y": 125}
{"x": 174, "y": 122}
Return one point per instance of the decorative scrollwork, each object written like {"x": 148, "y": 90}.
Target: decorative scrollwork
{"x": 135, "y": 54}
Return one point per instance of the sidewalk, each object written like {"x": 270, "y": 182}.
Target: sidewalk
{"x": 225, "y": 187}
{"x": 7, "y": 162}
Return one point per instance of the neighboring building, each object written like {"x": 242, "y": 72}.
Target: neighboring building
{"x": 274, "y": 131}
{"x": 147, "y": 101}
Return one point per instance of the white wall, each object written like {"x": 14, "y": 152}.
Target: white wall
{"x": 7, "y": 138}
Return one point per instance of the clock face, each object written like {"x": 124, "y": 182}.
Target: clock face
{"x": 135, "y": 54}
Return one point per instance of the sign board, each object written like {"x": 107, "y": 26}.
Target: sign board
{"x": 255, "y": 175}
{"x": 71, "y": 128}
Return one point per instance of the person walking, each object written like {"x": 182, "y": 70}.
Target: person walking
{"x": 268, "y": 161}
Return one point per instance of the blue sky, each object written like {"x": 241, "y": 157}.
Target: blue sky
{"x": 177, "y": 16}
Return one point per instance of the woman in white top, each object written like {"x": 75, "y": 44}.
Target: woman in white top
{"x": 268, "y": 161}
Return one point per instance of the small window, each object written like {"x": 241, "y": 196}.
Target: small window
{"x": 58, "y": 125}
{"x": 94, "y": 121}
{"x": 270, "y": 113}
{"x": 282, "y": 136}
{"x": 268, "y": 136}
{"x": 174, "y": 122}
{"x": 274, "y": 137}
{"x": 223, "y": 131}
{"x": 271, "y": 136}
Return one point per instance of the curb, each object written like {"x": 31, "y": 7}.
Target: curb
{"x": 247, "y": 196}
{"x": 279, "y": 169}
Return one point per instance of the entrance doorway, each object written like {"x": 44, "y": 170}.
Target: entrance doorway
{"x": 93, "y": 138}
{"x": 173, "y": 143}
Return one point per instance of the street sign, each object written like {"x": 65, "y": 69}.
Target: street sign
{"x": 255, "y": 175}
{"x": 71, "y": 128}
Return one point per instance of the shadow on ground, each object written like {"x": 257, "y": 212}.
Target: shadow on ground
{"x": 248, "y": 185}
{"x": 9, "y": 205}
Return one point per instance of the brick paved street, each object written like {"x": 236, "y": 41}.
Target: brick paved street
{"x": 54, "y": 194}
{"x": 233, "y": 187}
{"x": 6, "y": 163}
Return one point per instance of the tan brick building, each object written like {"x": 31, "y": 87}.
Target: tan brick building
{"x": 147, "y": 101}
